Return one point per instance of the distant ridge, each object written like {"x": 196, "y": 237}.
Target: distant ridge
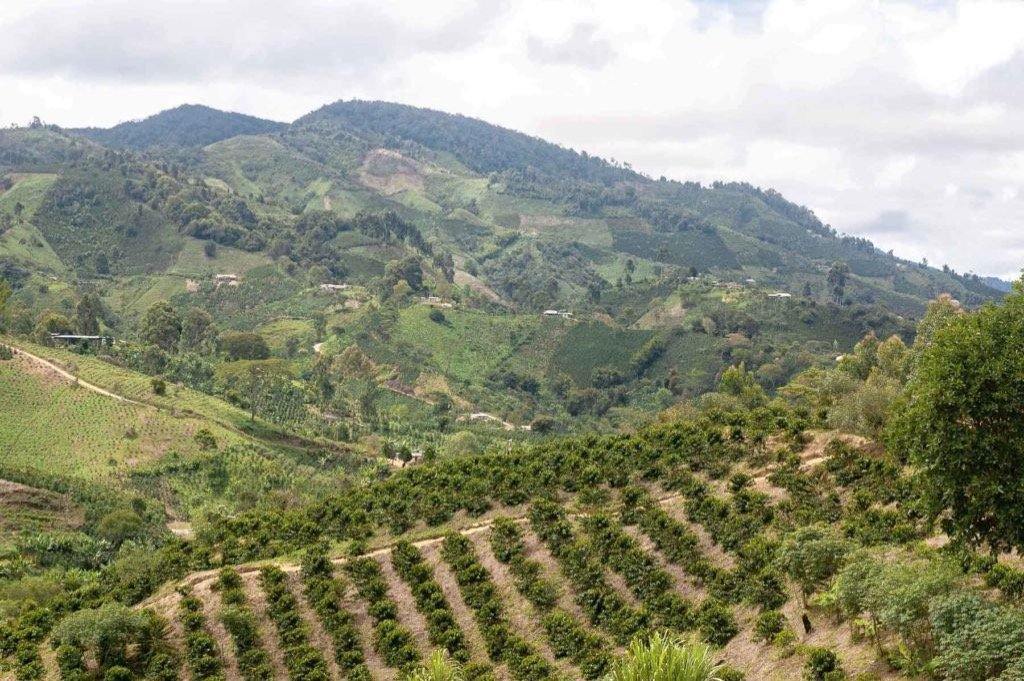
{"x": 188, "y": 125}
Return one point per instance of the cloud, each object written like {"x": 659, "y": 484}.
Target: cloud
{"x": 581, "y": 48}
{"x": 864, "y": 111}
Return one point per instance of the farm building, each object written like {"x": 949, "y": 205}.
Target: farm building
{"x": 333, "y": 288}
{"x": 73, "y": 339}
{"x": 226, "y": 280}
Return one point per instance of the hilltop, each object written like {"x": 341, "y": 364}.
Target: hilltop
{"x": 188, "y": 125}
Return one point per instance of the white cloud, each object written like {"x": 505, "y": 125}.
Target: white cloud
{"x": 876, "y": 114}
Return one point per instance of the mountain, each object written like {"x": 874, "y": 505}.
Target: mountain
{"x": 188, "y": 125}
{"x": 998, "y": 284}
{"x": 452, "y": 237}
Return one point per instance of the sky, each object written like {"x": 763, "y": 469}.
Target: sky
{"x": 901, "y": 122}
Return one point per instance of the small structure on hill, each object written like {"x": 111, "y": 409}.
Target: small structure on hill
{"x": 436, "y": 301}
{"x": 333, "y": 288}
{"x": 226, "y": 280}
{"x": 565, "y": 314}
{"x": 780, "y": 294}
{"x": 74, "y": 339}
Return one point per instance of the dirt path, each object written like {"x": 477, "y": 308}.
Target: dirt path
{"x": 318, "y": 636}
{"x": 74, "y": 379}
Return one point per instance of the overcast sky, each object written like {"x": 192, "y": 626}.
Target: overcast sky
{"x": 902, "y": 122}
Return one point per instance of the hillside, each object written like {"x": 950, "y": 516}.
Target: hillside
{"x": 426, "y": 246}
{"x": 188, "y": 125}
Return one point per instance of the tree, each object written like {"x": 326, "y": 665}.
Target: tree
{"x": 87, "y": 314}
{"x": 5, "y": 294}
{"x": 244, "y": 345}
{"x": 50, "y": 322}
{"x": 836, "y": 280}
{"x": 811, "y": 556}
{"x": 198, "y": 332}
{"x": 161, "y": 326}
{"x": 959, "y": 421}
{"x": 663, "y": 658}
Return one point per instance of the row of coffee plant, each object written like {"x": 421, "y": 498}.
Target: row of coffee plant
{"x": 567, "y": 636}
{"x": 392, "y": 641}
{"x": 303, "y": 660}
{"x": 241, "y": 623}
{"x": 481, "y": 595}
{"x": 325, "y": 594}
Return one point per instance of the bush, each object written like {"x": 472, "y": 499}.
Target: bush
{"x": 822, "y": 665}
{"x": 716, "y": 622}
{"x": 436, "y": 316}
{"x": 159, "y": 386}
{"x": 769, "y": 624}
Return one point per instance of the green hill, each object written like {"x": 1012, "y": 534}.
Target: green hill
{"x": 188, "y": 125}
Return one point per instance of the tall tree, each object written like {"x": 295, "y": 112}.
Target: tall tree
{"x": 87, "y": 314}
{"x": 960, "y": 422}
{"x": 836, "y": 280}
{"x": 198, "y": 333}
{"x": 161, "y": 326}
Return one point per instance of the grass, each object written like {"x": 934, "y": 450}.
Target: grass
{"x": 179, "y": 400}
{"x": 54, "y": 426}
{"x": 589, "y": 345}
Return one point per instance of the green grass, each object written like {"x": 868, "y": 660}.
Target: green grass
{"x": 28, "y": 190}
{"x": 53, "y": 426}
{"x": 589, "y": 345}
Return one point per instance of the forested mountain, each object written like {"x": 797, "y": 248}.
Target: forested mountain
{"x": 188, "y": 125}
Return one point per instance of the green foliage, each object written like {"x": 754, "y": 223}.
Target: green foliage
{"x": 481, "y": 595}
{"x": 812, "y": 555}
{"x": 822, "y": 665}
{"x": 236, "y": 346}
{"x": 161, "y": 326}
{"x": 663, "y": 658}
{"x": 303, "y": 660}
{"x": 324, "y": 593}
{"x": 959, "y": 423}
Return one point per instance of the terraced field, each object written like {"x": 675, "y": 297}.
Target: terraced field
{"x": 554, "y": 590}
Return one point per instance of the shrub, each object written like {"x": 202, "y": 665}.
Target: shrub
{"x": 769, "y": 624}
{"x": 303, "y": 661}
{"x": 716, "y": 622}
{"x": 159, "y": 386}
{"x": 442, "y": 627}
{"x": 822, "y": 665}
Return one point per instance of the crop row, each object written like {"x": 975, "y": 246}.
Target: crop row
{"x": 481, "y": 595}
{"x": 241, "y": 623}
{"x": 443, "y": 629}
{"x": 201, "y": 651}
{"x": 602, "y": 604}
{"x": 391, "y": 640}
{"x": 304, "y": 662}
{"x": 568, "y": 638}
{"x": 324, "y": 593}
{"x": 754, "y": 580}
